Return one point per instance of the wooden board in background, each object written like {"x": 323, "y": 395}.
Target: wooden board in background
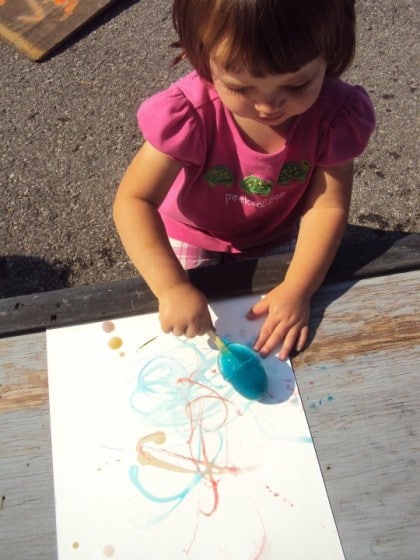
{"x": 123, "y": 298}
{"x": 36, "y": 27}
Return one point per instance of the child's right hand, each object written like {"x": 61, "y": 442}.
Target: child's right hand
{"x": 183, "y": 310}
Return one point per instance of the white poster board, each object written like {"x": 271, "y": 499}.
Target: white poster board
{"x": 156, "y": 457}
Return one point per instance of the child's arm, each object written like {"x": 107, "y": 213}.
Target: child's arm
{"x": 321, "y": 228}
{"x": 183, "y": 308}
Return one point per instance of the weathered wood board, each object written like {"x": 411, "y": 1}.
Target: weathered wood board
{"x": 27, "y": 514}
{"x": 359, "y": 377}
{"x": 125, "y": 298}
{"x": 36, "y": 27}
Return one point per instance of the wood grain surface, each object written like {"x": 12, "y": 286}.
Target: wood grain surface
{"x": 36, "y": 27}
{"x": 27, "y": 515}
{"x": 359, "y": 379}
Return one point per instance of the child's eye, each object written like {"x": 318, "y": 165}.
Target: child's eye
{"x": 237, "y": 91}
{"x": 300, "y": 87}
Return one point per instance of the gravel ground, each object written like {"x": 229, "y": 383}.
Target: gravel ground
{"x": 69, "y": 131}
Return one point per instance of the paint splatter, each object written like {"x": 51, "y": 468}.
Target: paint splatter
{"x": 146, "y": 343}
{"x": 316, "y": 404}
{"x": 115, "y": 342}
{"x": 108, "y": 551}
{"x": 174, "y": 396}
{"x": 277, "y": 494}
{"x": 75, "y": 545}
{"x": 108, "y": 326}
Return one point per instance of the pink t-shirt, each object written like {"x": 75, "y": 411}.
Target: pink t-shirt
{"x": 230, "y": 197}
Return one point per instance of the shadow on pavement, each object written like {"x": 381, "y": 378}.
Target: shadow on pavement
{"x": 364, "y": 252}
{"x": 20, "y": 275}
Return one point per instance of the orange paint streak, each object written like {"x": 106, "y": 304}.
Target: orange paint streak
{"x": 214, "y": 483}
{"x": 197, "y": 423}
{"x": 68, "y": 6}
{"x": 212, "y": 394}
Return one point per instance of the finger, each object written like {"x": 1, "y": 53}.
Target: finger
{"x": 302, "y": 339}
{"x": 260, "y": 308}
{"x": 166, "y": 327}
{"x": 180, "y": 330}
{"x": 262, "y": 338}
{"x": 288, "y": 344}
{"x": 193, "y": 330}
{"x": 190, "y": 331}
{"x": 271, "y": 344}
{"x": 166, "y": 323}
{"x": 271, "y": 335}
{"x": 204, "y": 327}
{"x": 199, "y": 326}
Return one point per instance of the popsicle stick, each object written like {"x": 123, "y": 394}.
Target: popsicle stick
{"x": 217, "y": 340}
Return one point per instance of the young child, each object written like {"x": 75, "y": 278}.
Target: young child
{"x": 249, "y": 153}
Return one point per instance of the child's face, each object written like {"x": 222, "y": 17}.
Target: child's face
{"x": 273, "y": 99}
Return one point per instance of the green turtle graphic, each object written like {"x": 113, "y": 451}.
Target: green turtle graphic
{"x": 292, "y": 171}
{"x": 255, "y": 185}
{"x": 219, "y": 175}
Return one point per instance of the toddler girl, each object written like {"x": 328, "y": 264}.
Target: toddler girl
{"x": 248, "y": 155}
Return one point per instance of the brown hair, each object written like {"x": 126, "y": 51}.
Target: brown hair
{"x": 266, "y": 36}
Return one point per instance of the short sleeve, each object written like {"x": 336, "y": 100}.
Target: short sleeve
{"x": 349, "y": 131}
{"x": 169, "y": 122}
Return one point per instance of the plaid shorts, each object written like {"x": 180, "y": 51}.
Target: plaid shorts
{"x": 193, "y": 257}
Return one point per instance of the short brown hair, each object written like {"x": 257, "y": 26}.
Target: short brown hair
{"x": 266, "y": 36}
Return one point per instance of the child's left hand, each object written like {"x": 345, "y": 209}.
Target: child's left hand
{"x": 287, "y": 311}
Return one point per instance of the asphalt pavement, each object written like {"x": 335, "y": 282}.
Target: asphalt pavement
{"x": 68, "y": 131}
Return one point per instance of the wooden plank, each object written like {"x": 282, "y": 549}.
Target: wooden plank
{"x": 360, "y": 386}
{"x": 36, "y": 27}
{"x": 128, "y": 297}
{"x": 27, "y": 515}
{"x": 23, "y": 378}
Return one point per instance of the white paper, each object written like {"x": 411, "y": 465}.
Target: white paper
{"x": 156, "y": 457}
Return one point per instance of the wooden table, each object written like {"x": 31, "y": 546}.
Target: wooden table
{"x": 359, "y": 382}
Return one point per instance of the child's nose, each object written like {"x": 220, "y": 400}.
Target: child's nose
{"x": 268, "y": 105}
